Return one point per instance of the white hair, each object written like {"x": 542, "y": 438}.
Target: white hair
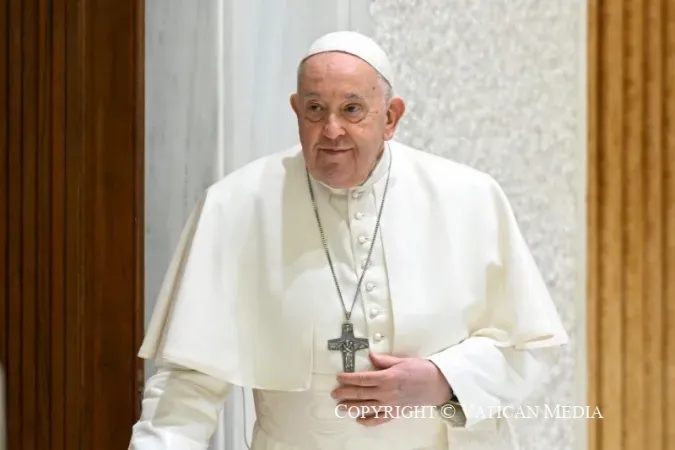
{"x": 387, "y": 89}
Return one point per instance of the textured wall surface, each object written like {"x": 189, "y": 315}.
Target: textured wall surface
{"x": 498, "y": 85}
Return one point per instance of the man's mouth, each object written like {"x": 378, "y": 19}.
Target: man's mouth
{"x": 334, "y": 150}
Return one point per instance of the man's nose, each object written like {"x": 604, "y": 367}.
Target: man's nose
{"x": 333, "y": 128}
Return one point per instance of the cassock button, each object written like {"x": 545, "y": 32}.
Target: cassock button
{"x": 378, "y": 337}
{"x": 358, "y": 216}
{"x": 370, "y": 286}
{"x": 363, "y": 239}
{"x": 374, "y": 312}
{"x": 365, "y": 264}
{"x": 356, "y": 194}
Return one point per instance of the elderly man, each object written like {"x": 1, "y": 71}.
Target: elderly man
{"x": 372, "y": 295}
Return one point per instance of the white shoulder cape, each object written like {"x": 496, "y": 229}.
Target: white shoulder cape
{"x": 238, "y": 297}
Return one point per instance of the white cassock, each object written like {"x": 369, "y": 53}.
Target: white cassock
{"x": 249, "y": 300}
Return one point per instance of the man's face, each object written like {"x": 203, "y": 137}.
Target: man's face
{"x": 342, "y": 118}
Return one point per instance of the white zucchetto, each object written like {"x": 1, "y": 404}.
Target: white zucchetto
{"x": 356, "y": 44}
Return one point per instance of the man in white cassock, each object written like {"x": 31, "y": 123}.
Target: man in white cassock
{"x": 373, "y": 296}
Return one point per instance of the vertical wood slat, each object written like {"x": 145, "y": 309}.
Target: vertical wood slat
{"x": 73, "y": 254}
{"x": 631, "y": 212}
{"x": 654, "y": 313}
{"x": 611, "y": 179}
{"x": 57, "y": 414}
{"x": 669, "y": 213}
{"x": 593, "y": 215}
{"x": 4, "y": 175}
{"x": 633, "y": 408}
{"x": 15, "y": 235}
{"x": 43, "y": 223}
{"x": 28, "y": 200}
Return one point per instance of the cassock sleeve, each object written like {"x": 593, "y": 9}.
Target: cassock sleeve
{"x": 180, "y": 410}
{"x": 512, "y": 346}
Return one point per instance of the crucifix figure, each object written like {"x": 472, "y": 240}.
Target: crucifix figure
{"x": 348, "y": 345}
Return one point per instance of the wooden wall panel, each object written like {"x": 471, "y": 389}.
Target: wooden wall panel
{"x": 668, "y": 353}
{"x": 71, "y": 220}
{"x": 4, "y": 207}
{"x": 631, "y": 223}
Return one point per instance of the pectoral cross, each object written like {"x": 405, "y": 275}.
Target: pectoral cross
{"x": 348, "y": 345}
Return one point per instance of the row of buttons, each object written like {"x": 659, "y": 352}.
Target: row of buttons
{"x": 363, "y": 240}
{"x": 374, "y": 311}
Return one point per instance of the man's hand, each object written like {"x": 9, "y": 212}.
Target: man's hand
{"x": 398, "y": 382}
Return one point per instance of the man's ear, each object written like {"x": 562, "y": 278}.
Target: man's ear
{"x": 294, "y": 104}
{"x": 394, "y": 114}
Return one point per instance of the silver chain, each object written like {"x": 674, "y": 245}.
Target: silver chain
{"x": 348, "y": 314}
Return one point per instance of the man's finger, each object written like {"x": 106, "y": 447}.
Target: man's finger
{"x": 383, "y": 361}
{"x": 357, "y": 393}
{"x": 366, "y": 379}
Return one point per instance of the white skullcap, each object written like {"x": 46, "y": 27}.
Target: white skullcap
{"x": 355, "y": 44}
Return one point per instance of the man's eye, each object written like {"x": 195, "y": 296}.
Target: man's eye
{"x": 314, "y": 108}
{"x": 351, "y": 109}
